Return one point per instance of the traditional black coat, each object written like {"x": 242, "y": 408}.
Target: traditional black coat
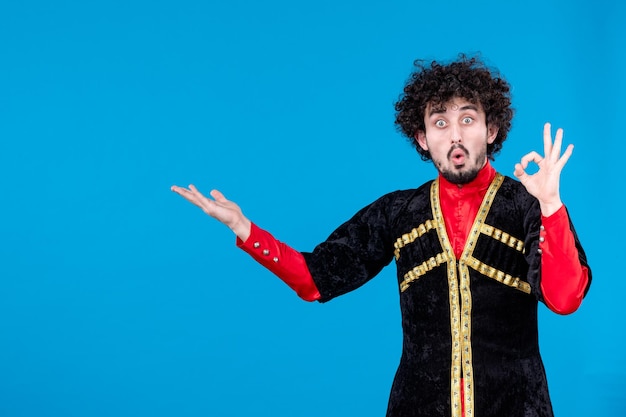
{"x": 472, "y": 319}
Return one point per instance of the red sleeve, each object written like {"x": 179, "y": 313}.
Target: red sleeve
{"x": 282, "y": 260}
{"x": 564, "y": 279}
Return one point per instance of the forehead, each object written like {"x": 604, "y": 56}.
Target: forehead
{"x": 453, "y": 105}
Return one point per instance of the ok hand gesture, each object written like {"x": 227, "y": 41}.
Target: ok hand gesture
{"x": 544, "y": 184}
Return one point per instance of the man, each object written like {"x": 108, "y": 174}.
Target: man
{"x": 475, "y": 251}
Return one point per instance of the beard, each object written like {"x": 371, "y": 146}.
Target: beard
{"x": 468, "y": 172}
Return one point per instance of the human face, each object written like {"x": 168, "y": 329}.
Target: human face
{"x": 457, "y": 136}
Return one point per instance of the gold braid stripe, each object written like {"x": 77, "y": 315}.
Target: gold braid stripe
{"x": 422, "y": 269}
{"x": 456, "y": 368}
{"x": 503, "y": 237}
{"x": 499, "y": 276}
{"x": 410, "y": 237}
{"x": 465, "y": 292}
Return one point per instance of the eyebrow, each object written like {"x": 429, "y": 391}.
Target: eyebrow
{"x": 443, "y": 109}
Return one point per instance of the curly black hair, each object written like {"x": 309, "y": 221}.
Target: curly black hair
{"x": 436, "y": 84}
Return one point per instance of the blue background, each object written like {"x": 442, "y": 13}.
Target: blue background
{"x": 118, "y": 298}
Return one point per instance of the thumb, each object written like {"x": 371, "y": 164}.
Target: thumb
{"x": 218, "y": 196}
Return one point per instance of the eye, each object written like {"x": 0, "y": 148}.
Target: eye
{"x": 440, "y": 123}
{"x": 467, "y": 120}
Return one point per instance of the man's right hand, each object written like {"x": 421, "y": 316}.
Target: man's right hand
{"x": 219, "y": 208}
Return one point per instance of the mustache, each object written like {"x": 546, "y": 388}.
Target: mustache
{"x": 455, "y": 147}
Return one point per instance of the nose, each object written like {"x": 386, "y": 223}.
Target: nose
{"x": 455, "y": 134}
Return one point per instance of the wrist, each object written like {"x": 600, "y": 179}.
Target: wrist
{"x": 241, "y": 228}
{"x": 548, "y": 209}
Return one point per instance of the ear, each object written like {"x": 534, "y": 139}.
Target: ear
{"x": 420, "y": 136}
{"x": 492, "y": 132}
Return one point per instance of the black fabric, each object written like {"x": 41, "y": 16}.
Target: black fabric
{"x": 508, "y": 374}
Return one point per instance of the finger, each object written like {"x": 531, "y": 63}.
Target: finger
{"x": 556, "y": 147}
{"x": 194, "y": 189}
{"x": 547, "y": 139}
{"x": 566, "y": 155}
{"x": 530, "y": 157}
{"x": 195, "y": 196}
{"x": 519, "y": 172}
{"x": 180, "y": 190}
{"x": 188, "y": 195}
{"x": 197, "y": 193}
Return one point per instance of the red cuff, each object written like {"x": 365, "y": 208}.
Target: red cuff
{"x": 282, "y": 260}
{"x": 563, "y": 278}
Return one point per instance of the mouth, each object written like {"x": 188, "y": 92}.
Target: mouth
{"x": 457, "y": 155}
